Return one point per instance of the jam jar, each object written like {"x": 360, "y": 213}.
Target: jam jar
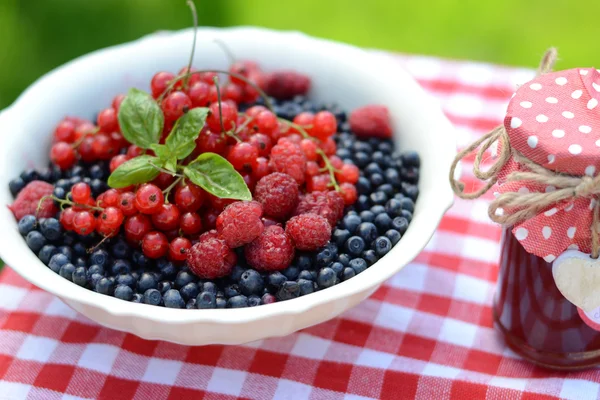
{"x": 535, "y": 319}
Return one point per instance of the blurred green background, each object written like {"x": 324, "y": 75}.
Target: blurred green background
{"x": 38, "y": 35}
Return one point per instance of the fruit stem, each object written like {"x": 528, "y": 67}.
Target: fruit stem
{"x": 299, "y": 128}
{"x": 330, "y": 168}
{"x": 244, "y": 124}
{"x": 166, "y": 171}
{"x": 225, "y": 49}
{"x": 218, "y": 71}
{"x": 192, "y": 7}
{"x": 170, "y": 187}
{"x": 80, "y": 140}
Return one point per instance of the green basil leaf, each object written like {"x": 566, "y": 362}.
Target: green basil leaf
{"x": 141, "y": 119}
{"x": 181, "y": 139}
{"x": 135, "y": 171}
{"x": 171, "y": 164}
{"x": 218, "y": 177}
{"x": 161, "y": 151}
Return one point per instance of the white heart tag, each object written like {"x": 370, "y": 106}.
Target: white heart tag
{"x": 577, "y": 276}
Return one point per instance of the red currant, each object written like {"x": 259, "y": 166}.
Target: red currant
{"x": 110, "y": 221}
{"x": 159, "y": 83}
{"x": 134, "y": 151}
{"x": 107, "y": 120}
{"x": 66, "y": 218}
{"x": 136, "y": 227}
{"x": 65, "y": 132}
{"x": 233, "y": 92}
{"x": 294, "y": 138}
{"x": 207, "y": 77}
{"x": 127, "y": 203}
{"x": 309, "y": 147}
{"x": 312, "y": 169}
{"x": 255, "y": 110}
{"x": 167, "y": 218}
{"x": 261, "y": 169}
{"x": 243, "y": 156}
{"x": 190, "y": 223}
{"x": 163, "y": 180}
{"x": 86, "y": 149}
{"x": 117, "y": 161}
{"x": 209, "y": 219}
{"x": 329, "y": 147}
{"x": 149, "y": 199}
{"x": 189, "y": 197}
{"x": 229, "y": 113}
{"x": 103, "y": 147}
{"x": 118, "y": 140}
{"x": 305, "y": 120}
{"x": 324, "y": 125}
{"x": 84, "y": 223}
{"x": 336, "y": 162}
{"x": 110, "y": 198}
{"x": 155, "y": 244}
{"x": 63, "y": 155}
{"x": 198, "y": 94}
{"x": 267, "y": 122}
{"x": 349, "y": 193}
{"x": 219, "y": 203}
{"x": 190, "y": 79}
{"x": 209, "y": 142}
{"x": 81, "y": 193}
{"x": 348, "y": 173}
{"x": 116, "y": 103}
{"x": 175, "y": 105}
{"x": 83, "y": 129}
{"x": 262, "y": 143}
{"x": 251, "y": 95}
{"x": 178, "y": 249}
{"x": 318, "y": 183}
{"x": 243, "y": 68}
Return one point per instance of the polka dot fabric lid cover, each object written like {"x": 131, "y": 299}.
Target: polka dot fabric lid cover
{"x": 554, "y": 120}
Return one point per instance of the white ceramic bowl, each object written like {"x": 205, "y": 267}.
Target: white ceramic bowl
{"x": 340, "y": 73}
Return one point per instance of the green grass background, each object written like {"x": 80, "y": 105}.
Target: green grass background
{"x": 38, "y": 35}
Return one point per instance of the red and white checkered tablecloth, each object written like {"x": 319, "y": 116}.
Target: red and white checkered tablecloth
{"x": 426, "y": 334}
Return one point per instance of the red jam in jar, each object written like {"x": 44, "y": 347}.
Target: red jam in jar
{"x": 536, "y": 320}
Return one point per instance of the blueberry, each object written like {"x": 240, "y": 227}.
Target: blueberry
{"x": 411, "y": 159}
{"x": 363, "y": 186}
{"x": 392, "y": 177}
{"x": 367, "y": 231}
{"x": 172, "y": 299}
{"x": 29, "y": 175}
{"x": 383, "y": 222}
{"x": 46, "y": 253}
{"x": 410, "y": 191}
{"x": 123, "y": 292}
{"x": 140, "y": 260}
{"x": 251, "y": 282}
{"x": 105, "y": 286}
{"x": 382, "y": 245}
{"x": 348, "y": 273}
{"x": 94, "y": 279}
{"x": 367, "y": 216}
{"x": 95, "y": 269}
{"x": 35, "y": 241}
{"x": 378, "y": 198}
{"x": 362, "y": 203}
{"x": 77, "y": 170}
{"x": 63, "y": 184}
{"x": 120, "y": 249}
{"x": 26, "y": 224}
{"x": 393, "y": 207}
{"x": 167, "y": 269}
{"x": 232, "y": 290}
{"x": 66, "y": 271}
{"x": 221, "y": 302}
{"x": 59, "y": 193}
{"x": 326, "y": 278}
{"x": 343, "y": 153}
{"x": 361, "y": 159}
{"x": 325, "y": 257}
{"x": 206, "y": 300}
{"x": 291, "y": 272}
{"x": 377, "y": 157}
{"x": 400, "y": 224}
{"x": 137, "y": 298}
{"x": 303, "y": 262}
{"x": 407, "y": 215}
{"x": 337, "y": 267}
{"x": 253, "y": 301}
{"x": 344, "y": 259}
{"x": 73, "y": 181}
{"x": 238, "y": 301}
{"x": 307, "y": 275}
{"x": 358, "y": 265}
{"x": 408, "y": 204}
{"x": 79, "y": 276}
{"x": 376, "y": 180}
{"x": 51, "y": 229}
{"x": 99, "y": 257}
{"x": 183, "y": 278}
{"x": 351, "y": 222}
{"x": 393, "y": 235}
{"x": 98, "y": 187}
{"x": 127, "y": 280}
{"x": 209, "y": 287}
{"x": 69, "y": 238}
{"x": 385, "y": 147}
{"x": 305, "y": 286}
{"x": 79, "y": 249}
{"x": 147, "y": 281}
{"x": 15, "y": 186}
{"x": 152, "y": 296}
{"x": 189, "y": 291}
{"x": 96, "y": 172}
{"x": 80, "y": 262}
{"x": 236, "y": 273}
{"x": 377, "y": 209}
{"x": 289, "y": 290}
{"x": 119, "y": 267}
{"x": 372, "y": 168}
{"x": 191, "y": 304}
{"x": 163, "y": 286}
{"x": 370, "y": 257}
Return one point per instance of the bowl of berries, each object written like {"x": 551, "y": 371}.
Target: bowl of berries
{"x": 234, "y": 200}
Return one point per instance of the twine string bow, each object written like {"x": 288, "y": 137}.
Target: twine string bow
{"x": 511, "y": 208}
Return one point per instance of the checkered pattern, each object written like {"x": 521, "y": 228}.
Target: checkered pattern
{"x": 426, "y": 334}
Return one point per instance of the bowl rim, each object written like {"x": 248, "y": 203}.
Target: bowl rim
{"x": 370, "y": 278}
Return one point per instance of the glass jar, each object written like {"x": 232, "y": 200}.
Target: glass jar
{"x": 535, "y": 319}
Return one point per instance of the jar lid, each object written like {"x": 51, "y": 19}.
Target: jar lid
{"x": 554, "y": 120}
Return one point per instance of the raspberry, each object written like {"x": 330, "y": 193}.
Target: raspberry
{"x": 28, "y": 199}
{"x": 371, "y": 121}
{"x": 273, "y": 250}
{"x": 308, "y": 231}
{"x": 285, "y": 84}
{"x": 240, "y": 223}
{"x": 287, "y": 157}
{"x": 211, "y": 258}
{"x": 278, "y": 194}
{"x": 329, "y": 205}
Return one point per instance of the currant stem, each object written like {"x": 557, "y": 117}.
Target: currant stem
{"x": 216, "y": 81}
{"x": 166, "y": 171}
{"x": 331, "y": 169}
{"x": 299, "y": 128}
{"x": 170, "y": 187}
{"x": 192, "y": 7}
{"x": 80, "y": 140}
